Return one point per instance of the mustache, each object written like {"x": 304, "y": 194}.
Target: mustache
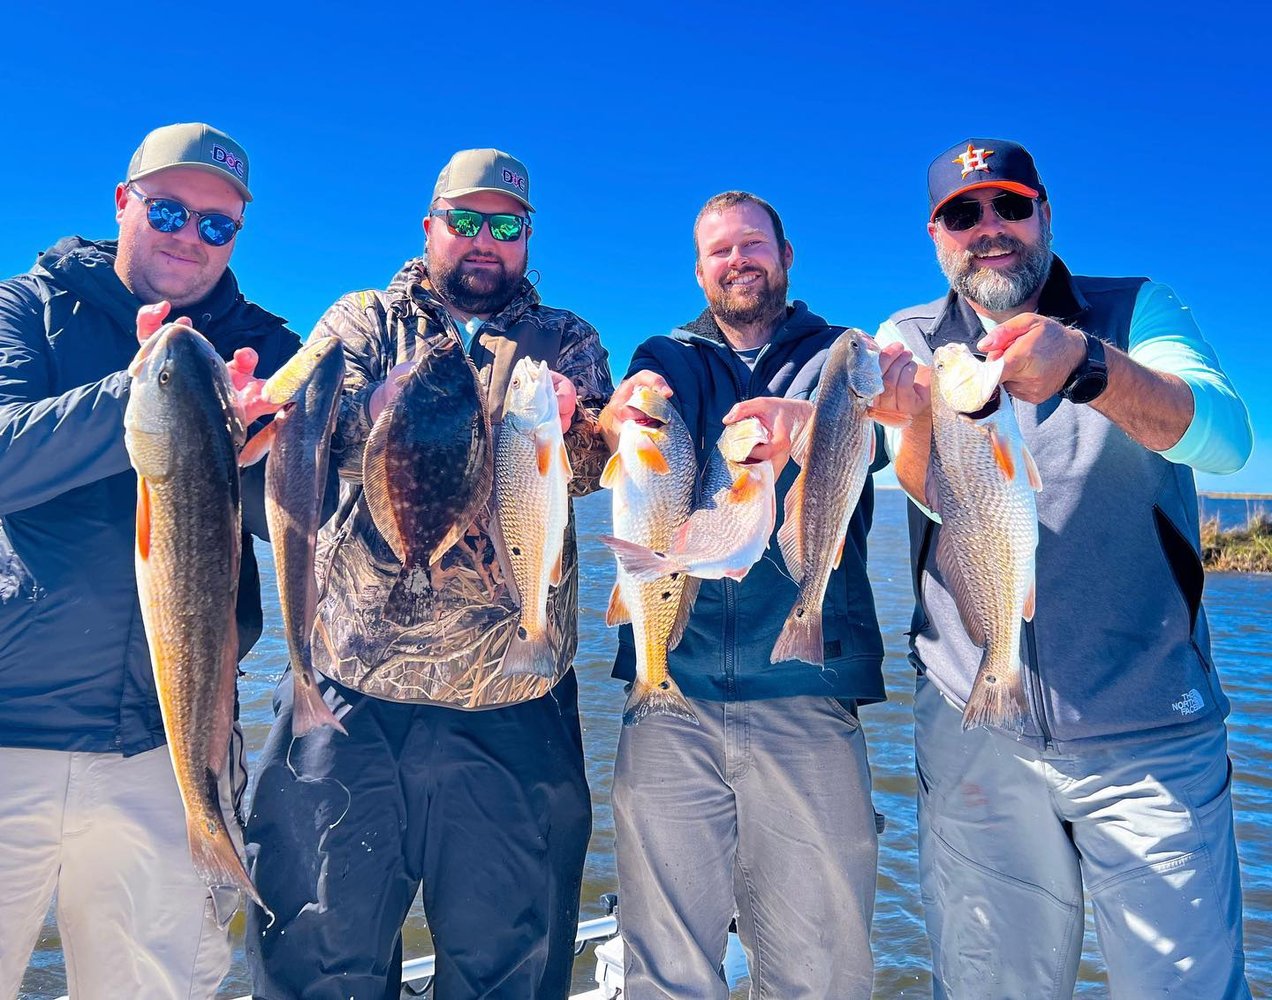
{"x": 987, "y": 244}
{"x": 733, "y": 275}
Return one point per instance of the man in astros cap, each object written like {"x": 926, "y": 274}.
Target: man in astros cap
{"x": 463, "y": 766}
{"x": 1115, "y": 779}
{"x": 89, "y": 807}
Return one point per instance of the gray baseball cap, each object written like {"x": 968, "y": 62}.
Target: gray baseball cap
{"x": 473, "y": 170}
{"x": 191, "y": 144}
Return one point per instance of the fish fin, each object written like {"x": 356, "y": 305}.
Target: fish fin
{"x": 801, "y": 637}
{"x": 1031, "y": 469}
{"x": 657, "y": 699}
{"x": 259, "y": 443}
{"x": 495, "y": 529}
{"x": 613, "y": 471}
{"x": 143, "y": 518}
{"x": 558, "y": 571}
{"x": 375, "y": 486}
{"x": 457, "y": 531}
{"x": 543, "y": 453}
{"x": 839, "y": 553}
{"x": 309, "y": 711}
{"x": 617, "y": 613}
{"x": 566, "y": 467}
{"x": 651, "y": 458}
{"x": 639, "y": 562}
{"x": 212, "y": 850}
{"x": 745, "y": 488}
{"x": 932, "y": 484}
{"x": 687, "y": 598}
{"x": 789, "y": 535}
{"x": 996, "y": 700}
{"x": 1031, "y": 600}
{"x": 889, "y": 418}
{"x": 803, "y": 441}
{"x": 529, "y": 654}
{"x": 952, "y": 571}
{"x": 1002, "y": 454}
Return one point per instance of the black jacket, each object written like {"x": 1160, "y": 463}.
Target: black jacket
{"x": 75, "y": 670}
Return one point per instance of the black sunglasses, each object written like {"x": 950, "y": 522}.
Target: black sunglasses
{"x": 167, "y": 215}
{"x": 504, "y": 226}
{"x": 961, "y": 214}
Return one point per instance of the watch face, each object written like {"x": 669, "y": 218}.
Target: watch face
{"x": 1087, "y": 386}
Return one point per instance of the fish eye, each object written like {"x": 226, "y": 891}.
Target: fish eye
{"x": 165, "y": 377}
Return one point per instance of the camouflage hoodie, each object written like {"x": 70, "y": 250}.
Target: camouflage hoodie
{"x": 451, "y": 653}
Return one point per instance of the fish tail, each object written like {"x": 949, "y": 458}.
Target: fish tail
{"x": 530, "y": 653}
{"x": 399, "y": 606}
{"x": 309, "y": 711}
{"x": 639, "y": 562}
{"x": 998, "y": 697}
{"x": 657, "y": 699}
{"x": 212, "y": 850}
{"x": 801, "y": 637}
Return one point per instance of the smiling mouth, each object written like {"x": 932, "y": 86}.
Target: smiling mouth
{"x": 743, "y": 280}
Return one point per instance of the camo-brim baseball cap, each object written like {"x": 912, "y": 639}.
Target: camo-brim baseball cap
{"x": 191, "y": 144}
{"x": 473, "y": 170}
{"x": 982, "y": 163}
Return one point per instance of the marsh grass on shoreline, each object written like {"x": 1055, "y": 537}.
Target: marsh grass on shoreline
{"x": 1238, "y": 550}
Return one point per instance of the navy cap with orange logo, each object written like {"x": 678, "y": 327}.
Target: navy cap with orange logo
{"x": 982, "y": 163}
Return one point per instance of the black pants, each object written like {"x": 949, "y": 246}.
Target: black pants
{"x": 489, "y": 810}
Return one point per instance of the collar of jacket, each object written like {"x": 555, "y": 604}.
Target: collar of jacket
{"x": 412, "y": 283}
{"x": 800, "y": 322}
{"x": 86, "y": 268}
{"x": 1061, "y": 299}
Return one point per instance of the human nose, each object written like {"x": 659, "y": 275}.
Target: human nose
{"x": 737, "y": 255}
{"x": 484, "y": 238}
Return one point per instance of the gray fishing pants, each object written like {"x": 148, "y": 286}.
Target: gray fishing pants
{"x": 764, "y": 810}
{"x": 1008, "y": 835}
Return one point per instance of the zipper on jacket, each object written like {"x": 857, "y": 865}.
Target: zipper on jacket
{"x": 1035, "y": 681}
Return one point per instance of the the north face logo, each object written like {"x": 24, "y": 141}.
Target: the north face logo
{"x": 228, "y": 160}
{"x": 1190, "y": 703}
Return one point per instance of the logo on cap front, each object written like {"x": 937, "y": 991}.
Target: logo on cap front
{"x": 515, "y": 179}
{"x": 973, "y": 159}
{"x": 228, "y": 160}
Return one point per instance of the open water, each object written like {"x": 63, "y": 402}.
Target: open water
{"x": 1240, "y": 610}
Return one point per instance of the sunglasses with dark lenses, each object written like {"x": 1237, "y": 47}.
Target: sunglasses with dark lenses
{"x": 963, "y": 213}
{"x": 504, "y": 226}
{"x": 167, "y": 215}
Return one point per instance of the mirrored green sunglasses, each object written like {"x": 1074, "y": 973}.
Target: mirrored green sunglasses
{"x": 504, "y": 226}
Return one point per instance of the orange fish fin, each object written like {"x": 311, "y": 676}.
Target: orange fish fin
{"x": 617, "y": 613}
{"x": 839, "y": 553}
{"x": 890, "y": 418}
{"x": 555, "y": 578}
{"x": 613, "y": 470}
{"x": 260, "y": 442}
{"x": 789, "y": 535}
{"x": 143, "y": 519}
{"x": 1031, "y": 469}
{"x": 543, "y": 454}
{"x": 1002, "y": 455}
{"x": 1031, "y": 600}
{"x": 566, "y": 467}
{"x": 651, "y": 457}
{"x": 745, "y": 488}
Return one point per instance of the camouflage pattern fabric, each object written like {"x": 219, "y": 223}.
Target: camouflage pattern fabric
{"x": 450, "y": 651}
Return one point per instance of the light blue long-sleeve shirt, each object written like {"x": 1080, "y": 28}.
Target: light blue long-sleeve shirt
{"x": 1164, "y": 336}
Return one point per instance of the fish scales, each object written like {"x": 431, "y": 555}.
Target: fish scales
{"x": 834, "y": 454}
{"x": 183, "y": 431}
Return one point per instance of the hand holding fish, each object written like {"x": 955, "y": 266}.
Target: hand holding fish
{"x": 567, "y": 398}
{"x": 150, "y": 318}
{"x": 619, "y": 408}
{"x": 906, "y": 384}
{"x": 1039, "y": 354}
{"x": 782, "y": 418}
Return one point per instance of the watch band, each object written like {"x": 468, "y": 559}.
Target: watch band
{"x": 1091, "y": 377}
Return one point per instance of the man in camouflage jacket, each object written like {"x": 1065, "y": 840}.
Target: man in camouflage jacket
{"x": 452, "y": 774}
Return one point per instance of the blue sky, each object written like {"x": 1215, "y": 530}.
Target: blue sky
{"x": 1149, "y": 123}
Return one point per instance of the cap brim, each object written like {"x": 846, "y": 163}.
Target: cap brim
{"x": 229, "y": 178}
{"x": 460, "y": 192}
{"x": 1015, "y": 186}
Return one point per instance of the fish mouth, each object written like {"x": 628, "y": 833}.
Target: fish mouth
{"x": 990, "y": 407}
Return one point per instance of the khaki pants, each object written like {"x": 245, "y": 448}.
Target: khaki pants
{"x": 107, "y": 833}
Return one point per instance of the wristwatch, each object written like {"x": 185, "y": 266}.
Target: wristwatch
{"x": 1091, "y": 377}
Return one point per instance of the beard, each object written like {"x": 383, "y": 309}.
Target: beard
{"x": 993, "y": 289}
{"x": 478, "y": 292}
{"x": 756, "y": 303}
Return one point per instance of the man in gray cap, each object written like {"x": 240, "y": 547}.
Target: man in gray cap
{"x": 89, "y": 807}
{"x": 1117, "y": 778}
{"x": 455, "y": 774}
